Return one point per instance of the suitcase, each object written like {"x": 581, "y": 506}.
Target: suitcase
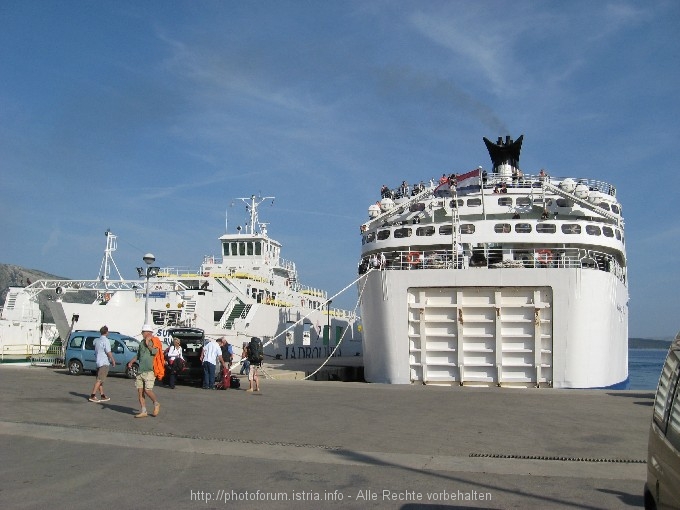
{"x": 225, "y": 380}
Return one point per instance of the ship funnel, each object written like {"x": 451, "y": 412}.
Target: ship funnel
{"x": 504, "y": 154}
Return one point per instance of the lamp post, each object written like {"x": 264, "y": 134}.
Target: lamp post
{"x": 150, "y": 272}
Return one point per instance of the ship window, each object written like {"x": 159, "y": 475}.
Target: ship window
{"x": 505, "y": 201}
{"x": 607, "y": 231}
{"x": 474, "y": 202}
{"x": 571, "y": 228}
{"x": 425, "y": 231}
{"x": 615, "y": 209}
{"x": 593, "y": 230}
{"x": 242, "y": 249}
{"x": 383, "y": 234}
{"x": 370, "y": 237}
{"x": 502, "y": 228}
{"x": 225, "y": 249}
{"x": 618, "y": 234}
{"x": 249, "y": 247}
{"x": 546, "y": 228}
{"x": 523, "y": 201}
{"x": 420, "y": 206}
{"x": 522, "y": 228}
{"x": 461, "y": 203}
{"x": 402, "y": 232}
{"x": 445, "y": 230}
{"x": 604, "y": 205}
{"x": 467, "y": 228}
{"x": 258, "y": 248}
{"x": 234, "y": 249}
{"x": 562, "y": 202}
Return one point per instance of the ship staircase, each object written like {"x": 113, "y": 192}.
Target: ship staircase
{"x": 239, "y": 310}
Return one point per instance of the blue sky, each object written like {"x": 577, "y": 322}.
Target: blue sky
{"x": 149, "y": 118}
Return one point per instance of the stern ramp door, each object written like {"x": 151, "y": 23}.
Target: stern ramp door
{"x": 483, "y": 336}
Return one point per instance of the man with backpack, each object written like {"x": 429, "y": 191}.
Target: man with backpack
{"x": 255, "y": 357}
{"x": 145, "y": 375}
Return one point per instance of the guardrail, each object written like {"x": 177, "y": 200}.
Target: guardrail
{"x": 496, "y": 258}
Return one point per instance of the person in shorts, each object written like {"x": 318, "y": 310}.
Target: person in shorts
{"x": 253, "y": 378}
{"x": 145, "y": 376}
{"x": 103, "y": 359}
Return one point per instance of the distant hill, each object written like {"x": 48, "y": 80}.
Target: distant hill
{"x": 647, "y": 343}
{"x": 17, "y": 276}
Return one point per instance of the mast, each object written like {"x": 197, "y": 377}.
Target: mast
{"x": 107, "y": 261}
{"x": 252, "y": 203}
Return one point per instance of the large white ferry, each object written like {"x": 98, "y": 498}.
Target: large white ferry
{"x": 496, "y": 278}
{"x": 249, "y": 290}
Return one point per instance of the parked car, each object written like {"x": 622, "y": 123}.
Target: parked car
{"x": 192, "y": 341}
{"x": 80, "y": 353}
{"x": 662, "y": 489}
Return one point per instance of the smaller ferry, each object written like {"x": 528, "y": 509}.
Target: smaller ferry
{"x": 247, "y": 290}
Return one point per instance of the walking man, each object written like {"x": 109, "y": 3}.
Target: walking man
{"x": 103, "y": 354}
{"x": 145, "y": 376}
{"x": 210, "y": 354}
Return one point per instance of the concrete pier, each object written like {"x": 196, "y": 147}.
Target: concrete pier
{"x": 302, "y": 444}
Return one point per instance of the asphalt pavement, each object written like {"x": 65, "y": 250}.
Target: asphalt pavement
{"x": 307, "y": 444}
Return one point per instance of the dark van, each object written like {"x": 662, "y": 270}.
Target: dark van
{"x": 662, "y": 489}
{"x": 192, "y": 341}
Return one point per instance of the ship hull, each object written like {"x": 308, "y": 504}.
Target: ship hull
{"x": 558, "y": 327}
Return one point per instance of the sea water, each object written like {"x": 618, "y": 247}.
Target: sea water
{"x": 644, "y": 368}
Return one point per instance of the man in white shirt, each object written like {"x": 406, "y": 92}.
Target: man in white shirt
{"x": 102, "y": 353}
{"x": 210, "y": 355}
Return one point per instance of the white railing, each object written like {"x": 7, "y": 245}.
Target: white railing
{"x": 497, "y": 258}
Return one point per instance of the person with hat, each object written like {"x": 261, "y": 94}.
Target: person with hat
{"x": 145, "y": 375}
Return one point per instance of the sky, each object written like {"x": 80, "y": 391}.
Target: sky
{"x": 150, "y": 119}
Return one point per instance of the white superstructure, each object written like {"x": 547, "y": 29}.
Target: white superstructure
{"x": 496, "y": 278}
{"x": 247, "y": 290}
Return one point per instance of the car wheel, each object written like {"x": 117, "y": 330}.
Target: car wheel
{"x": 75, "y": 367}
{"x": 131, "y": 371}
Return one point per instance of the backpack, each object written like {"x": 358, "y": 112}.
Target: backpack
{"x": 255, "y": 351}
{"x": 158, "y": 359}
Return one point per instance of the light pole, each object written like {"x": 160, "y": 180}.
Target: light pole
{"x": 150, "y": 271}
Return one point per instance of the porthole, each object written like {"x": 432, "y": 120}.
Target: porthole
{"x": 425, "y": 231}
{"x": 546, "y": 228}
{"x": 593, "y": 230}
{"x": 402, "y": 232}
